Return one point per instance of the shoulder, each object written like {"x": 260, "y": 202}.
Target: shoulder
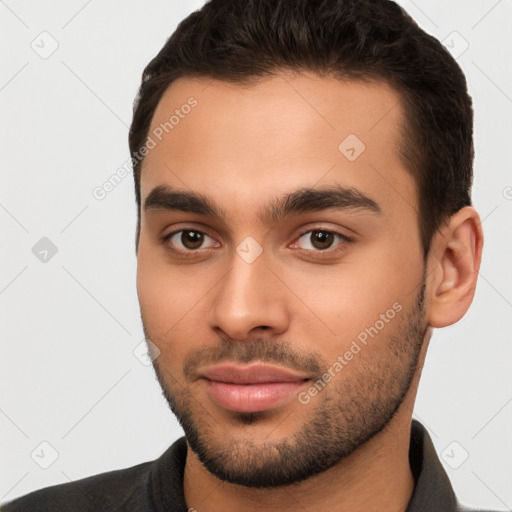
{"x": 124, "y": 489}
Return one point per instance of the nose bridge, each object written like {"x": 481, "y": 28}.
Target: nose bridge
{"x": 249, "y": 296}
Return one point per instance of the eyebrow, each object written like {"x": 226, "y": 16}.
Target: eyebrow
{"x": 164, "y": 198}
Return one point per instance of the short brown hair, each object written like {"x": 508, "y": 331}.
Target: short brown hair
{"x": 242, "y": 40}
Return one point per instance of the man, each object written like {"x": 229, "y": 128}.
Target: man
{"x": 302, "y": 174}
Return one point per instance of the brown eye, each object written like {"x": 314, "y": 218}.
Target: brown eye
{"x": 322, "y": 239}
{"x": 192, "y": 239}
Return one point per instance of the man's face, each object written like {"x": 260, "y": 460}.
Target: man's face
{"x": 327, "y": 284}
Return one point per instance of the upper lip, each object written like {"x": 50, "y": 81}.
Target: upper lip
{"x": 253, "y": 374}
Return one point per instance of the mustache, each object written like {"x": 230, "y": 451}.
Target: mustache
{"x": 281, "y": 353}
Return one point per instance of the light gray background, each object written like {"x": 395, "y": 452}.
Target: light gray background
{"x": 70, "y": 325}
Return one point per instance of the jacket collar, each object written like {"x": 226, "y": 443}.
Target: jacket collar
{"x": 432, "y": 490}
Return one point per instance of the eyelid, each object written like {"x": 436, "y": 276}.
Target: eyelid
{"x": 196, "y": 227}
{"x": 322, "y": 228}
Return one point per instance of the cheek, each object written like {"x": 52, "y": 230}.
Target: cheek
{"x": 165, "y": 291}
{"x": 172, "y": 300}
{"x": 162, "y": 298}
{"x": 155, "y": 296}
{"x": 340, "y": 302}
{"x": 160, "y": 310}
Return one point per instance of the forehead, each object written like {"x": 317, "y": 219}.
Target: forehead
{"x": 250, "y": 142}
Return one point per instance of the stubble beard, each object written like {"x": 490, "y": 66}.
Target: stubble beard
{"x": 343, "y": 417}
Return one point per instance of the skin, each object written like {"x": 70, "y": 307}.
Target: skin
{"x": 244, "y": 146}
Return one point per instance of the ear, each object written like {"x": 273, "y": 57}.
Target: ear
{"x": 453, "y": 264}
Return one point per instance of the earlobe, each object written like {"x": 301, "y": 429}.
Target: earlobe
{"x": 455, "y": 260}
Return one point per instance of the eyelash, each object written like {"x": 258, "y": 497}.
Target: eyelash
{"x": 345, "y": 240}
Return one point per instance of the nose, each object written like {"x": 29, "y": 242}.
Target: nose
{"x": 249, "y": 298}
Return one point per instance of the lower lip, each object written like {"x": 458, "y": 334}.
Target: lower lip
{"x": 251, "y": 397}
